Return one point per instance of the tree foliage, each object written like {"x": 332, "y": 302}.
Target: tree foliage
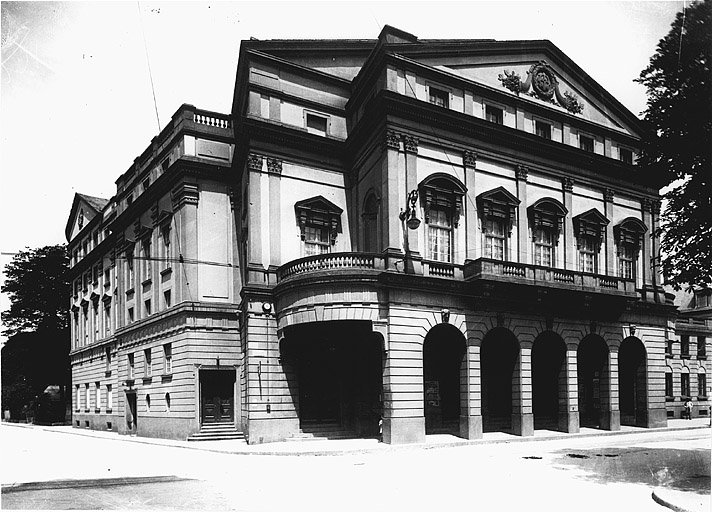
{"x": 36, "y": 282}
{"x": 679, "y": 146}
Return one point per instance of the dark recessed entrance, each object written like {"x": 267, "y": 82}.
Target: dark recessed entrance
{"x": 548, "y": 380}
{"x": 593, "y": 381}
{"x": 632, "y": 381}
{"x": 444, "y": 381}
{"x": 334, "y": 373}
{"x": 217, "y": 391}
{"x": 499, "y": 354}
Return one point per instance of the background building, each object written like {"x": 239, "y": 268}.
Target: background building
{"x": 415, "y": 235}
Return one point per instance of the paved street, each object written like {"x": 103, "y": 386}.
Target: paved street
{"x": 610, "y": 472}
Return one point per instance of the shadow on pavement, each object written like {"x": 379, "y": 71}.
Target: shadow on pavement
{"x": 682, "y": 470}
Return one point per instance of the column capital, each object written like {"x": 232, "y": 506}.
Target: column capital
{"x": 469, "y": 159}
{"x": 410, "y": 144}
{"x": 568, "y": 184}
{"x": 608, "y": 195}
{"x": 391, "y": 140}
{"x": 254, "y": 162}
{"x": 521, "y": 172}
{"x": 274, "y": 166}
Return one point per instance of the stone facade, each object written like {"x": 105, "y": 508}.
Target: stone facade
{"x": 392, "y": 237}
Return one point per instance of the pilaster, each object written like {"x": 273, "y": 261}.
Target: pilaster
{"x": 610, "y": 267}
{"x": 522, "y": 413}
{"x": 569, "y": 242}
{"x": 523, "y": 256}
{"x": 471, "y": 241}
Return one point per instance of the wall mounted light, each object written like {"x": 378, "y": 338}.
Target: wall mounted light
{"x": 632, "y": 330}
{"x": 445, "y": 315}
{"x": 409, "y": 215}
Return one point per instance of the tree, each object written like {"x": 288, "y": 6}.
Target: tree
{"x": 36, "y": 282}
{"x": 679, "y": 145}
{"x": 37, "y": 352}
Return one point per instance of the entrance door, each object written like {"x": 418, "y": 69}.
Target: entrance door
{"x": 217, "y": 395}
{"x": 131, "y": 412}
{"x": 319, "y": 383}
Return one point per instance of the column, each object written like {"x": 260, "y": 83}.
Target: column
{"x": 610, "y": 266}
{"x": 522, "y": 411}
{"x": 568, "y": 404}
{"x": 471, "y": 418}
{"x": 469, "y": 160}
{"x": 523, "y": 256}
{"x": 394, "y": 195}
{"x": 569, "y": 242}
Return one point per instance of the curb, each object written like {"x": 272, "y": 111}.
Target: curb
{"x": 383, "y": 448}
{"x": 665, "y": 503}
{"x": 94, "y": 482}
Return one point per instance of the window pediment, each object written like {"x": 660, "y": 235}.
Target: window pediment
{"x": 498, "y": 204}
{"x": 630, "y": 231}
{"x": 443, "y": 192}
{"x": 591, "y": 224}
{"x": 547, "y": 213}
{"x": 320, "y": 212}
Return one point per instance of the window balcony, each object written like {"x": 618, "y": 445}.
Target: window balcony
{"x": 342, "y": 263}
{"x": 485, "y": 269}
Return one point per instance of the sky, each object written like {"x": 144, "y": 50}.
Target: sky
{"x": 79, "y": 79}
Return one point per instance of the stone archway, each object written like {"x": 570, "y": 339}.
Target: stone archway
{"x": 594, "y": 382}
{"x": 444, "y": 379}
{"x": 632, "y": 382}
{"x": 549, "y": 390}
{"x": 499, "y": 355}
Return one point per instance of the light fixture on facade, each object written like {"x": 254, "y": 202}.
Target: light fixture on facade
{"x": 409, "y": 215}
{"x": 445, "y": 316}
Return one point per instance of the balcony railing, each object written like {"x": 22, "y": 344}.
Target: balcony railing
{"x": 342, "y": 261}
{"x": 497, "y": 270}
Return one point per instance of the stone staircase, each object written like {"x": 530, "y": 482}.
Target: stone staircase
{"x": 317, "y": 431}
{"x": 217, "y": 432}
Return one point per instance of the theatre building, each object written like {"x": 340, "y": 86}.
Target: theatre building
{"x": 391, "y": 237}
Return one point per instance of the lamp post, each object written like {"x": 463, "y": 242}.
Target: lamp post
{"x": 409, "y": 216}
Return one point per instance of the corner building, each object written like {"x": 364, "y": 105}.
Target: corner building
{"x": 403, "y": 235}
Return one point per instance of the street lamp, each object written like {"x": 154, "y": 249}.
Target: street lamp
{"x": 409, "y": 215}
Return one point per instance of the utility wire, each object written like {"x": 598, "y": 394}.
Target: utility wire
{"x": 148, "y": 61}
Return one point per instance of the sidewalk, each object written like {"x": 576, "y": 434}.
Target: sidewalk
{"x": 325, "y": 447}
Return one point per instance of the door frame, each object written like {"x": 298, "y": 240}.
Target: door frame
{"x": 236, "y": 398}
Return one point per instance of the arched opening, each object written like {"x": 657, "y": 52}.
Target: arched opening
{"x": 370, "y": 223}
{"x": 632, "y": 377}
{"x": 593, "y": 381}
{"x": 548, "y": 380}
{"x": 444, "y": 379}
{"x": 499, "y": 355}
{"x": 334, "y": 372}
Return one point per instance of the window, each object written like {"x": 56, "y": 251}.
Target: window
{"x": 668, "y": 347}
{"x": 668, "y": 385}
{"x": 148, "y": 402}
{"x": 319, "y": 223}
{"x": 625, "y": 155}
{"x": 685, "y": 345}
{"x": 586, "y": 143}
{"x": 147, "y": 368}
{"x": 167, "y": 359}
{"x": 701, "y": 347}
{"x": 146, "y": 256}
{"x": 166, "y": 246}
{"x": 316, "y": 240}
{"x": 370, "y": 223}
{"x": 107, "y": 353}
{"x": 147, "y": 307}
{"x": 77, "y": 398}
{"x": 316, "y": 124}
{"x": 440, "y": 236}
{"x": 702, "y": 385}
{"x": 107, "y": 277}
{"x": 95, "y": 275}
{"x": 543, "y": 129}
{"x": 97, "y": 399}
{"x": 168, "y": 402}
{"x": 146, "y": 183}
{"x": 495, "y": 240}
{"x": 95, "y": 320}
{"x": 438, "y": 97}
{"x": 543, "y": 247}
{"x": 129, "y": 270}
{"x": 685, "y": 384}
{"x": 626, "y": 261}
{"x": 264, "y": 107}
{"x": 131, "y": 314}
{"x": 87, "y": 394}
{"x": 109, "y": 398}
{"x": 85, "y": 316}
{"x": 588, "y": 254}
{"x": 494, "y": 114}
{"x": 107, "y": 319}
{"x": 131, "y": 368}
{"x": 167, "y": 299}
{"x": 629, "y": 236}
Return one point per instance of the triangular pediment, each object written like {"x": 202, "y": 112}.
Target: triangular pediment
{"x": 84, "y": 209}
{"x": 534, "y": 71}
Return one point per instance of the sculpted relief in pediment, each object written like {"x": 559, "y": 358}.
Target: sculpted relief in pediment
{"x": 541, "y": 82}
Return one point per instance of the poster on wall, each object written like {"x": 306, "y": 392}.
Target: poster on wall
{"x": 432, "y": 393}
